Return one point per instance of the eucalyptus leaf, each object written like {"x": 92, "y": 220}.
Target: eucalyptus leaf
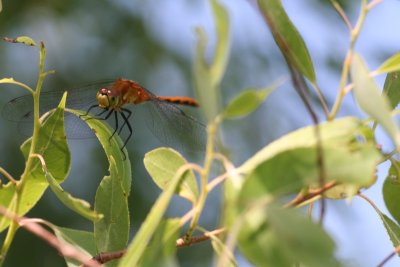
{"x": 391, "y": 190}
{"x": 162, "y": 164}
{"x": 390, "y": 65}
{"x": 162, "y": 248}
{"x": 287, "y": 37}
{"x": 391, "y": 88}
{"x": 79, "y": 206}
{"x": 112, "y": 232}
{"x": 208, "y": 76}
{"x": 246, "y": 102}
{"x": 80, "y": 240}
{"x": 371, "y": 100}
{"x": 51, "y": 144}
{"x": 274, "y": 236}
{"x": 139, "y": 244}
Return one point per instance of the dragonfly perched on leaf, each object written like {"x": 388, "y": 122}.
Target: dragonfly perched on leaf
{"x": 162, "y": 114}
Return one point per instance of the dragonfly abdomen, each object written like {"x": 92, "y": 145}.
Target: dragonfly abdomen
{"x": 187, "y": 101}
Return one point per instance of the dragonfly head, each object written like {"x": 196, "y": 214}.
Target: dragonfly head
{"x": 105, "y": 99}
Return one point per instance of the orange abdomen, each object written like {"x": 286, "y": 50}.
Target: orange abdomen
{"x": 180, "y": 100}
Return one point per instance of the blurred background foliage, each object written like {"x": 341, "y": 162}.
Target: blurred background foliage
{"x": 153, "y": 43}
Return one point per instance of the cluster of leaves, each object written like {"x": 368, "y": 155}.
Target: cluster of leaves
{"x": 256, "y": 219}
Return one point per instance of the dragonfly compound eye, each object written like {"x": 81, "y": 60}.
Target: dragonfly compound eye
{"x": 103, "y": 99}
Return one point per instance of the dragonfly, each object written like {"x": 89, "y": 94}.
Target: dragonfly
{"x": 118, "y": 98}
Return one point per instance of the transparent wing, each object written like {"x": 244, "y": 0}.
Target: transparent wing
{"x": 20, "y": 109}
{"x": 174, "y": 127}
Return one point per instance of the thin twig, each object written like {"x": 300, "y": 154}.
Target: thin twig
{"x": 373, "y": 3}
{"x": 388, "y": 257}
{"x": 342, "y": 14}
{"x": 35, "y": 228}
{"x": 183, "y": 242}
{"x": 311, "y": 194}
{"x": 8, "y": 176}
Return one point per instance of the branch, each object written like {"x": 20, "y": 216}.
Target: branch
{"x": 311, "y": 194}
{"x": 35, "y": 228}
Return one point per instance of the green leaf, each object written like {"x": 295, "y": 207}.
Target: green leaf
{"x": 290, "y": 163}
{"x": 208, "y": 76}
{"x": 392, "y": 88}
{"x": 273, "y": 236}
{"x": 391, "y": 227}
{"x": 111, "y": 147}
{"x": 391, "y": 191}
{"x": 1, "y": 6}
{"x": 112, "y": 232}
{"x": 162, "y": 164}
{"x": 21, "y": 39}
{"x": 390, "y": 65}
{"x": 220, "y": 60}
{"x": 139, "y": 244}
{"x": 246, "y": 102}
{"x": 80, "y": 240}
{"x": 371, "y": 100}
{"x": 52, "y": 145}
{"x": 162, "y": 248}
{"x": 287, "y": 37}
{"x": 78, "y": 205}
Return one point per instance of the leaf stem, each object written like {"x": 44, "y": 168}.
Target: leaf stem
{"x": 354, "y": 34}
{"x": 8, "y": 176}
{"x": 29, "y": 162}
{"x": 211, "y": 132}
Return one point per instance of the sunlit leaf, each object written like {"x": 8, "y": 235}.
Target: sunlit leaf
{"x": 208, "y": 76}
{"x": 348, "y": 150}
{"x": 220, "y": 60}
{"x": 371, "y": 100}
{"x": 392, "y": 88}
{"x": 112, "y": 232}
{"x": 162, "y": 248}
{"x": 21, "y": 39}
{"x": 391, "y": 190}
{"x": 112, "y": 149}
{"x": 162, "y": 164}
{"x": 273, "y": 236}
{"x": 52, "y": 145}
{"x": 392, "y": 228}
{"x": 80, "y": 240}
{"x": 246, "y": 102}
{"x": 390, "y": 65}
{"x": 80, "y": 206}
{"x": 287, "y": 37}
{"x": 139, "y": 244}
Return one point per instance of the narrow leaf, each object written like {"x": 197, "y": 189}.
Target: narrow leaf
{"x": 80, "y": 240}
{"x": 21, "y": 39}
{"x": 52, "y": 145}
{"x": 112, "y": 232}
{"x": 149, "y": 226}
{"x": 222, "y": 50}
{"x": 162, "y": 248}
{"x": 390, "y": 65}
{"x": 391, "y": 191}
{"x": 162, "y": 164}
{"x": 392, "y": 88}
{"x": 371, "y": 100}
{"x": 274, "y": 236}
{"x": 80, "y": 206}
{"x": 208, "y": 76}
{"x": 287, "y": 37}
{"x": 246, "y": 102}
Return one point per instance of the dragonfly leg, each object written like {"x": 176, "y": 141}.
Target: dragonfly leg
{"x": 116, "y": 126}
{"x": 127, "y": 111}
{"x": 129, "y": 127}
{"x": 87, "y": 112}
